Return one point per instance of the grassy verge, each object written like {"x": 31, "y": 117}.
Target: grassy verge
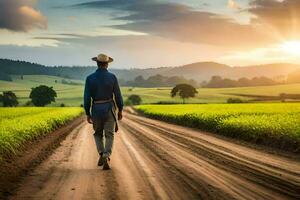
{"x": 271, "y": 124}
{"x": 20, "y": 125}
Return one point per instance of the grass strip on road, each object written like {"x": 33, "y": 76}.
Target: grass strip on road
{"x": 271, "y": 124}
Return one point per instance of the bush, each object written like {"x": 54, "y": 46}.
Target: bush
{"x": 62, "y": 105}
{"x": 166, "y": 102}
{"x": 66, "y": 82}
{"x": 235, "y": 100}
{"x": 28, "y": 103}
{"x": 133, "y": 100}
{"x": 9, "y": 99}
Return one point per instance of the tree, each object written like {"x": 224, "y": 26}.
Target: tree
{"x": 42, "y": 95}
{"x": 139, "y": 80}
{"x": 134, "y": 100}
{"x": 156, "y": 81}
{"x": 160, "y": 81}
{"x": 9, "y": 99}
{"x": 283, "y": 97}
{"x": 185, "y": 91}
{"x": 243, "y": 82}
{"x": 219, "y": 82}
{"x": 215, "y": 82}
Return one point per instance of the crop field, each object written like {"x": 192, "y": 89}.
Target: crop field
{"x": 19, "y": 125}
{"x": 274, "y": 124}
{"x": 71, "y": 95}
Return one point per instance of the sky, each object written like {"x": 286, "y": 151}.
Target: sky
{"x": 150, "y": 33}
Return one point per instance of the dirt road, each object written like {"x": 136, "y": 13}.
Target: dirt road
{"x": 156, "y": 160}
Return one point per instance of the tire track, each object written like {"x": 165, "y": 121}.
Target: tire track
{"x": 184, "y": 184}
{"x": 283, "y": 180}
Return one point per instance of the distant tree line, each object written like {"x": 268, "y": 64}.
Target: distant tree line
{"x": 159, "y": 81}
{"x": 12, "y": 67}
{"x": 9, "y": 67}
{"x": 219, "y": 82}
{"x": 5, "y": 77}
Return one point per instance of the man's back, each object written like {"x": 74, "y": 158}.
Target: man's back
{"x": 101, "y": 86}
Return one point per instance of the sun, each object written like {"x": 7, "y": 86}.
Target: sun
{"x": 291, "y": 47}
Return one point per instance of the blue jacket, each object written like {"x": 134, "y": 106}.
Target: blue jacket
{"x": 101, "y": 85}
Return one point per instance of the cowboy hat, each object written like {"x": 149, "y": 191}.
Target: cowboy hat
{"x": 102, "y": 58}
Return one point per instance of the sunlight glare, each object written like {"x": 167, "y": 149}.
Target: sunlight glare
{"x": 291, "y": 47}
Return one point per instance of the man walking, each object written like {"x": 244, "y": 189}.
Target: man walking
{"x": 101, "y": 89}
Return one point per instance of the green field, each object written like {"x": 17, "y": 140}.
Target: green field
{"x": 71, "y": 95}
{"x": 275, "y": 124}
{"x": 68, "y": 94}
{"x": 20, "y": 125}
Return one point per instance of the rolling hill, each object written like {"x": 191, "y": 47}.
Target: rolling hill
{"x": 205, "y": 70}
{"x": 201, "y": 71}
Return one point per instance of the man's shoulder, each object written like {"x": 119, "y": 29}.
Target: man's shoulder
{"x": 111, "y": 74}
{"x": 90, "y": 76}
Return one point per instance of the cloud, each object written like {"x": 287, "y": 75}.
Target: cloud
{"x": 233, "y": 5}
{"x": 20, "y": 16}
{"x": 182, "y": 23}
{"x": 126, "y": 50}
{"x": 281, "y": 17}
{"x": 58, "y": 36}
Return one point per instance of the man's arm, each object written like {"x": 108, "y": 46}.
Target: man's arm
{"x": 118, "y": 98}
{"x": 87, "y": 101}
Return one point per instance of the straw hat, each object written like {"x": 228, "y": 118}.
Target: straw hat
{"x": 102, "y": 58}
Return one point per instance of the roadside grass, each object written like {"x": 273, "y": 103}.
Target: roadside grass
{"x": 71, "y": 95}
{"x": 20, "y": 125}
{"x": 271, "y": 124}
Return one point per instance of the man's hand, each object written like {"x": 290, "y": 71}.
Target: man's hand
{"x": 89, "y": 119}
{"x": 120, "y": 115}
